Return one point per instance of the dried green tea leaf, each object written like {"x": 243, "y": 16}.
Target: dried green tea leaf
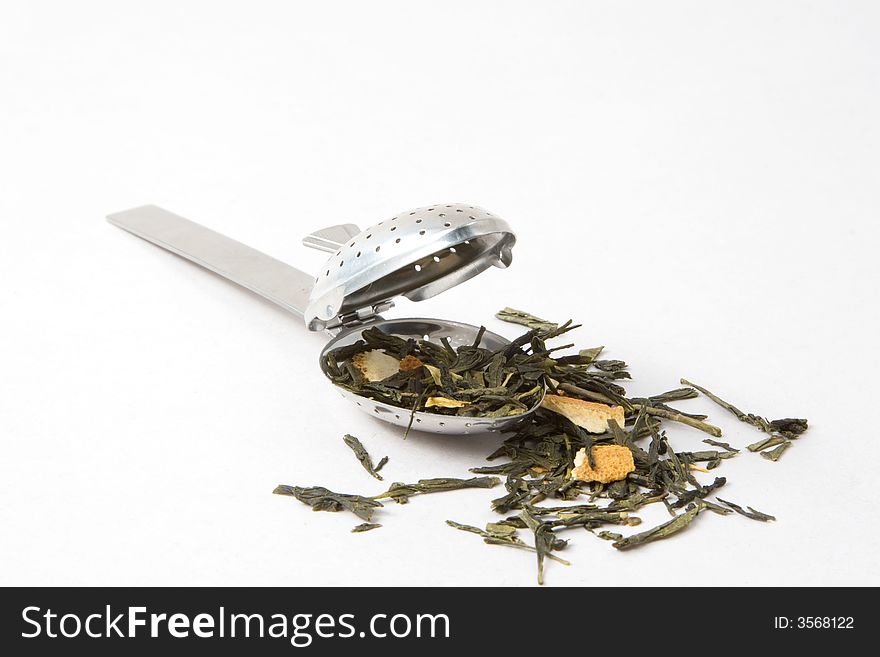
{"x": 587, "y": 356}
{"x": 705, "y": 455}
{"x": 545, "y": 541}
{"x": 725, "y": 446}
{"x": 751, "y": 513}
{"x": 508, "y": 540}
{"x": 467, "y": 528}
{"x": 675, "y": 416}
{"x": 774, "y": 454}
{"x": 322, "y": 499}
{"x": 717, "y": 508}
{"x": 525, "y": 319}
{"x": 365, "y": 527}
{"x": 401, "y": 493}
{"x": 766, "y": 443}
{"x": 790, "y": 428}
{"x": 698, "y": 493}
{"x": 363, "y": 456}
{"x": 500, "y": 530}
{"x": 667, "y": 529}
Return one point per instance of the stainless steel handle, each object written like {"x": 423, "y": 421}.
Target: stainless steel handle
{"x": 270, "y": 278}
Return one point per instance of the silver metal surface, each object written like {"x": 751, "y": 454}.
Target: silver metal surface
{"x": 416, "y": 254}
{"x": 289, "y": 287}
{"x": 270, "y": 278}
{"x": 332, "y": 238}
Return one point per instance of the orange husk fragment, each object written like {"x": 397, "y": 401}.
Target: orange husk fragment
{"x": 612, "y": 463}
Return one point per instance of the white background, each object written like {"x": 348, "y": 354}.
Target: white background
{"x": 695, "y": 182}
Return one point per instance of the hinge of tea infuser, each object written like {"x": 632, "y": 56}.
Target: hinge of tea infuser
{"x": 362, "y": 316}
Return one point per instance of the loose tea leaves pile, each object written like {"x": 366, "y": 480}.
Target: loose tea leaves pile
{"x": 418, "y": 375}
{"x": 587, "y": 440}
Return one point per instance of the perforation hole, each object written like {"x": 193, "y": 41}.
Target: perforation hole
{"x": 327, "y": 273}
{"x": 421, "y": 232}
{"x": 459, "y": 210}
{"x": 417, "y": 268}
{"x": 447, "y": 224}
{"x": 418, "y": 221}
{"x": 436, "y": 258}
{"x": 394, "y": 228}
{"x": 377, "y": 249}
{"x": 397, "y": 241}
{"x": 452, "y": 249}
{"x": 369, "y": 236}
{"x": 341, "y": 262}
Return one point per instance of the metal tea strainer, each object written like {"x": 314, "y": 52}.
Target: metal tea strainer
{"x": 415, "y": 254}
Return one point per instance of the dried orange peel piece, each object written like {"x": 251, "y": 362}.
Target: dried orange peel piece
{"x": 444, "y": 402}
{"x": 613, "y": 463}
{"x": 375, "y": 364}
{"x": 409, "y": 363}
{"x": 591, "y": 416}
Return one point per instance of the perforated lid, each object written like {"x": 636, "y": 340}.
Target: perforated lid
{"x": 416, "y": 254}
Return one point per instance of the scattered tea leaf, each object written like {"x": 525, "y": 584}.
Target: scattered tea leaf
{"x": 774, "y": 454}
{"x": 321, "y": 499}
{"x": 510, "y": 540}
{"x": 401, "y": 493}
{"x": 751, "y": 513}
{"x": 365, "y": 527}
{"x": 665, "y": 530}
{"x": 363, "y": 456}
{"x": 545, "y": 540}
{"x": 525, "y": 319}
{"x": 724, "y": 446}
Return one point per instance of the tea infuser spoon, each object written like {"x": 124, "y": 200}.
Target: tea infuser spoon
{"x": 416, "y": 254}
